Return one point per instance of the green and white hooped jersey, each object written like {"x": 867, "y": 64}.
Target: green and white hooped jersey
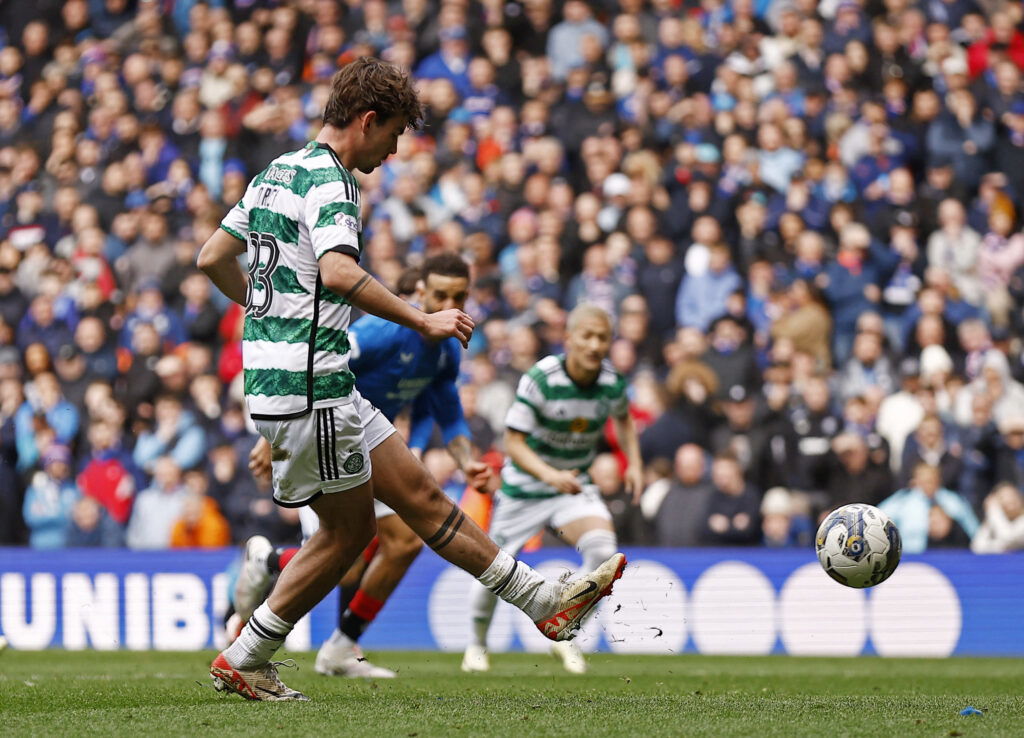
{"x": 295, "y": 344}
{"x": 563, "y": 421}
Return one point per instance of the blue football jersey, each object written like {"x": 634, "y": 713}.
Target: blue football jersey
{"x": 395, "y": 367}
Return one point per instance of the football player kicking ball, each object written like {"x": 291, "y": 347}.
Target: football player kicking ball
{"x": 299, "y": 223}
{"x": 552, "y": 432}
{"x": 395, "y": 368}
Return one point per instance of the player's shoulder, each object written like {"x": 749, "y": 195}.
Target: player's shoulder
{"x": 610, "y": 377}
{"x": 304, "y": 170}
{"x": 548, "y": 371}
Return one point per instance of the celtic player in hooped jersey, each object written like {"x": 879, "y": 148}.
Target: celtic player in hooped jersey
{"x": 551, "y": 437}
{"x": 299, "y": 224}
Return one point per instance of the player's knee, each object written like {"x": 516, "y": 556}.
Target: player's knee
{"x": 353, "y": 533}
{"x": 403, "y": 548}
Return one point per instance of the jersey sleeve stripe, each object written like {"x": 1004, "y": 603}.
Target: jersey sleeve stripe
{"x": 231, "y": 231}
{"x": 331, "y": 209}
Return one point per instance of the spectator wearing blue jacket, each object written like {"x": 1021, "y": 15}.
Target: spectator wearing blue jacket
{"x": 911, "y": 508}
{"x": 152, "y": 309}
{"x": 451, "y": 62}
{"x": 45, "y": 408}
{"x": 50, "y": 499}
{"x": 41, "y": 324}
{"x": 852, "y": 283}
{"x": 175, "y": 434}
{"x": 702, "y": 297}
{"x": 565, "y": 42}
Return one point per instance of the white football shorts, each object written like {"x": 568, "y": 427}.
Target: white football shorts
{"x": 518, "y": 519}
{"x": 323, "y": 452}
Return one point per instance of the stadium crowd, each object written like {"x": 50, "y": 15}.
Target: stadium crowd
{"x": 804, "y": 218}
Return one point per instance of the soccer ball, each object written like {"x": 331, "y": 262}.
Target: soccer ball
{"x": 858, "y": 545}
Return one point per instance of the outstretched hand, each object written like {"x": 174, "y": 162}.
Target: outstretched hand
{"x": 449, "y": 323}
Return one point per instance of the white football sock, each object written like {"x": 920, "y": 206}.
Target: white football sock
{"x": 521, "y": 585}
{"x": 481, "y": 604}
{"x": 596, "y": 546}
{"x": 260, "y": 638}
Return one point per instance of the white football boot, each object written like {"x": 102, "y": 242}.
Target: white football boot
{"x": 570, "y": 655}
{"x": 476, "y": 659}
{"x": 253, "y": 579}
{"x": 341, "y": 657}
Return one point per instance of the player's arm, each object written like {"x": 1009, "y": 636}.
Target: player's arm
{"x": 629, "y": 441}
{"x": 218, "y": 259}
{"x": 440, "y": 403}
{"x": 564, "y": 480}
{"x": 342, "y": 275}
{"x": 332, "y": 218}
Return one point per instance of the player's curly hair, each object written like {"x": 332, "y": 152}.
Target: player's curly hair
{"x": 446, "y": 264}
{"x": 371, "y": 84}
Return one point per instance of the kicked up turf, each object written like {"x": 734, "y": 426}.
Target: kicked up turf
{"x": 161, "y": 693}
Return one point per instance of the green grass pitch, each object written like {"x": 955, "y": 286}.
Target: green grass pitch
{"x": 124, "y": 693}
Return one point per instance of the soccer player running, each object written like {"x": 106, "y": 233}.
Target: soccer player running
{"x": 395, "y": 368}
{"x": 551, "y": 437}
{"x": 299, "y": 223}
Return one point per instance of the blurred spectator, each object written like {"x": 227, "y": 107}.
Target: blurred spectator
{"x": 954, "y": 249}
{"x": 678, "y": 515}
{"x": 805, "y": 322}
{"x": 852, "y": 283}
{"x": 690, "y": 387}
{"x": 629, "y": 524}
{"x": 44, "y": 413}
{"x": 109, "y": 475}
{"x": 201, "y": 524}
{"x": 784, "y": 524}
{"x": 91, "y": 526}
{"x": 49, "y": 500}
{"x": 813, "y": 425}
{"x": 855, "y": 476}
{"x": 1010, "y": 464}
{"x": 928, "y": 445}
{"x": 702, "y": 295}
{"x": 174, "y": 433}
{"x": 1002, "y": 529}
{"x": 157, "y": 507}
{"x": 733, "y": 513}
{"x": 868, "y": 369}
{"x": 731, "y": 354}
{"x": 246, "y": 501}
{"x": 910, "y": 509}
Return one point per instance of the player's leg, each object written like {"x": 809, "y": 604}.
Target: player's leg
{"x": 583, "y": 521}
{"x": 340, "y": 655}
{"x": 402, "y": 482}
{"x": 346, "y": 526}
{"x": 325, "y": 465}
{"x": 399, "y": 547}
{"x": 513, "y": 523}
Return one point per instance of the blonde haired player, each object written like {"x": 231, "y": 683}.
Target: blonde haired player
{"x": 551, "y": 437}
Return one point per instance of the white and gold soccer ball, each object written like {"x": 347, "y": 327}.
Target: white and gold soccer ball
{"x": 858, "y": 545}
